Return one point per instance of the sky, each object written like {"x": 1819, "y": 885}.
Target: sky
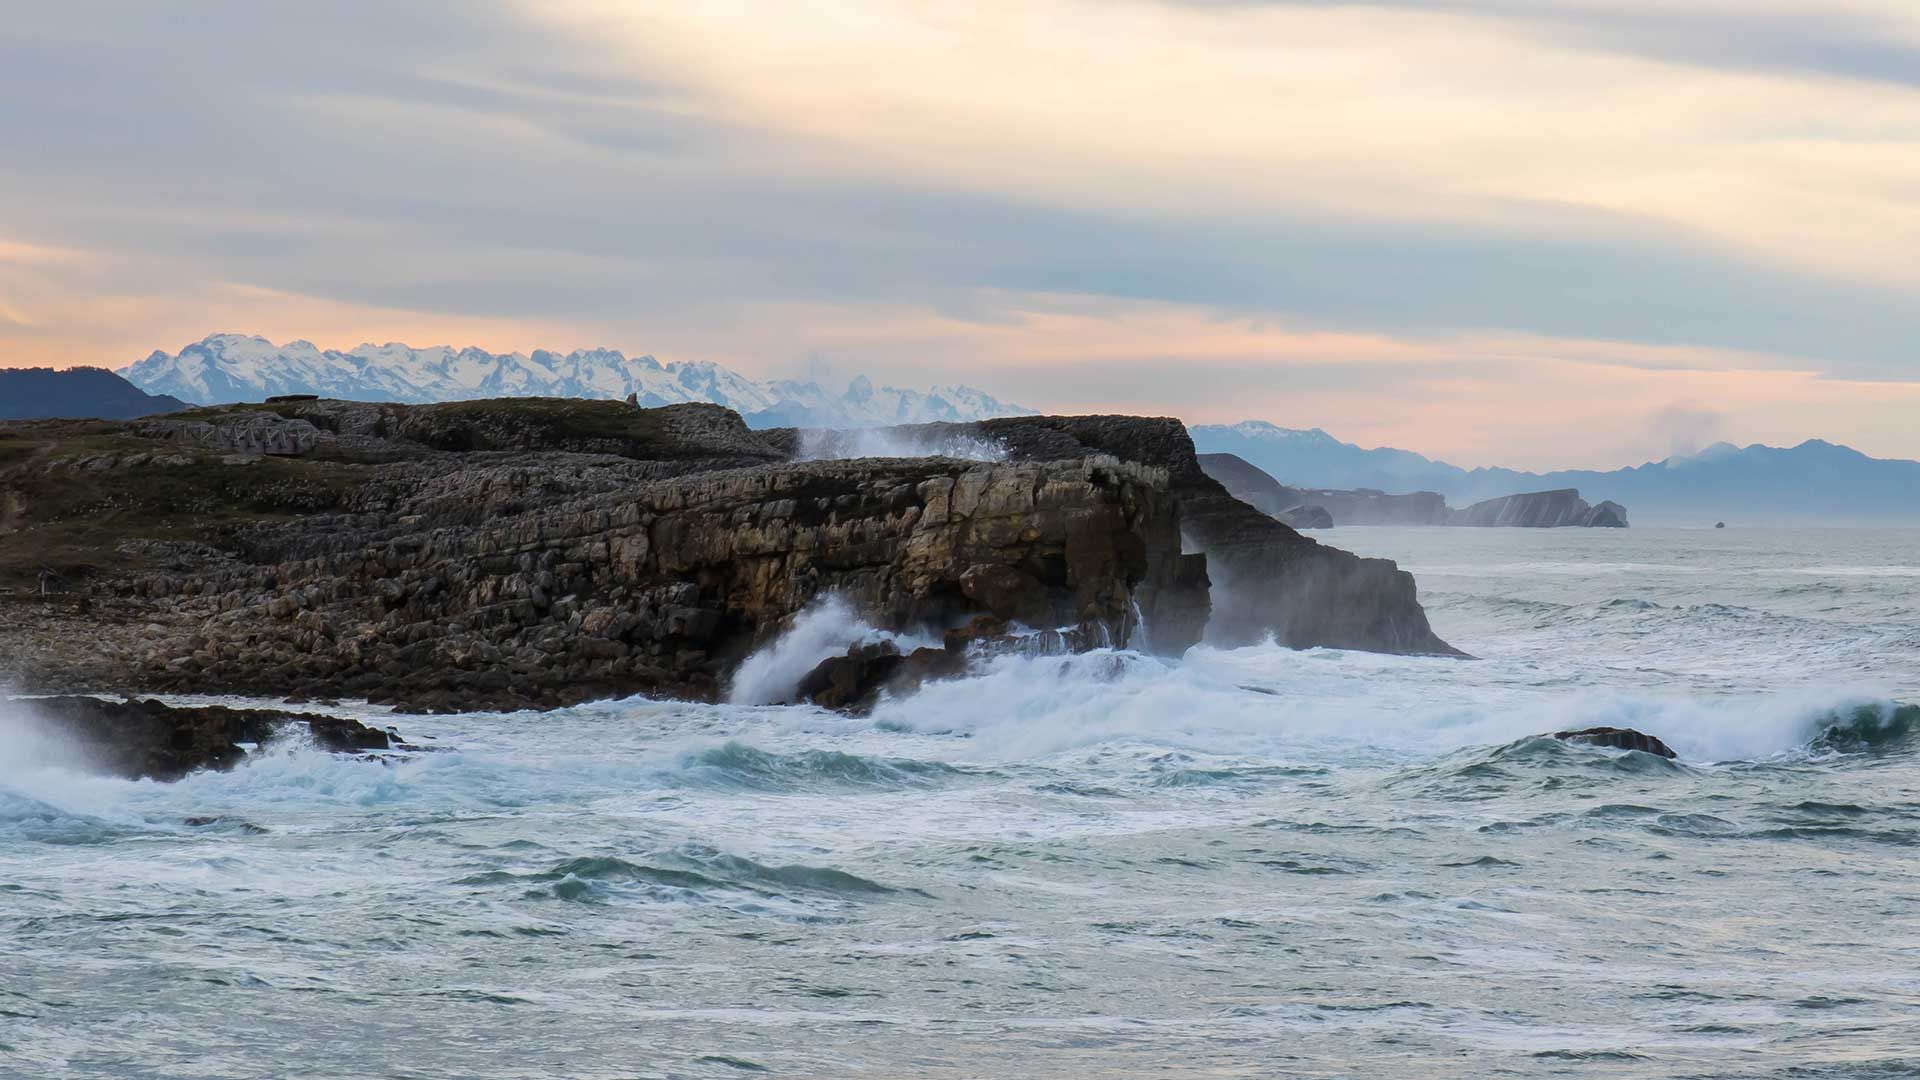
{"x": 1536, "y": 233}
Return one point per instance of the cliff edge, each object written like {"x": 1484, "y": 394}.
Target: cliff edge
{"x": 538, "y": 552}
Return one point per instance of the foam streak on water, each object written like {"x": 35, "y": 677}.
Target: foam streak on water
{"x": 1248, "y": 862}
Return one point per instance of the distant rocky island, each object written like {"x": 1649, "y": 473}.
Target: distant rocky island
{"x": 1814, "y": 482}
{"x": 1311, "y": 508}
{"x": 536, "y": 552}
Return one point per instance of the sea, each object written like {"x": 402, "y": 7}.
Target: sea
{"x": 1256, "y": 862}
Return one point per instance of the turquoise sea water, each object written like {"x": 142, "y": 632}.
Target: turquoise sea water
{"x": 1257, "y": 862}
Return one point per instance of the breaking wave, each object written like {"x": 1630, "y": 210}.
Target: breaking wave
{"x": 824, "y": 445}
{"x": 827, "y": 628}
{"x": 737, "y": 765}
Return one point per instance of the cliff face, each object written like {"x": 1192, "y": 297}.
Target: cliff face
{"x": 538, "y": 553}
{"x": 1267, "y": 578}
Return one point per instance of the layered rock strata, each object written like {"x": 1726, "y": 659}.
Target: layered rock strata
{"x": 491, "y": 554}
{"x": 1267, "y": 579}
{"x": 536, "y": 552}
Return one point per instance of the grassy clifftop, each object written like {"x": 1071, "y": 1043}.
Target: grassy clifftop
{"x": 77, "y": 498}
{"x": 87, "y": 497}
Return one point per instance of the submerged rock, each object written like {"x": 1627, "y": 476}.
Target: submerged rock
{"x": 137, "y": 739}
{"x": 1619, "y": 739}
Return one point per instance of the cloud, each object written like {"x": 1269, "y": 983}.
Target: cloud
{"x": 1866, "y": 40}
{"x": 1687, "y": 426}
{"x": 1405, "y": 214}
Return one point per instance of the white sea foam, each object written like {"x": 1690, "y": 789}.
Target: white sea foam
{"x": 812, "y": 892}
{"x": 827, "y": 628}
{"x": 824, "y": 445}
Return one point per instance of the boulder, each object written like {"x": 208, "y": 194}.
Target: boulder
{"x": 1619, "y": 739}
{"x": 150, "y": 739}
{"x": 842, "y": 682}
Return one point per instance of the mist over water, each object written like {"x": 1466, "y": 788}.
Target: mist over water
{"x": 819, "y": 444}
{"x": 1249, "y": 861}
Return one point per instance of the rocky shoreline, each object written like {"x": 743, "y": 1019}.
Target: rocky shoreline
{"x": 151, "y": 740}
{"x": 532, "y": 553}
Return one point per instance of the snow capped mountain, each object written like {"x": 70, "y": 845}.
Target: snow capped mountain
{"x": 1261, "y": 429}
{"x": 224, "y": 368}
{"x": 1815, "y": 481}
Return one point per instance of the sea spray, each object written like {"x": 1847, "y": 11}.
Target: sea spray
{"x": 826, "y": 628}
{"x": 1324, "y": 706}
{"x": 824, "y": 445}
{"x": 1432, "y": 884}
{"x": 1138, "y": 638}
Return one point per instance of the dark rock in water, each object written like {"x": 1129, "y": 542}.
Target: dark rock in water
{"x": 840, "y": 682}
{"x": 1719, "y": 524}
{"x": 852, "y": 683}
{"x": 245, "y": 826}
{"x": 1619, "y": 739}
{"x": 138, "y": 739}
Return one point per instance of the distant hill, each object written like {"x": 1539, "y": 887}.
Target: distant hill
{"x": 1320, "y": 508}
{"x": 1815, "y": 481}
{"x": 76, "y": 393}
{"x": 224, "y": 368}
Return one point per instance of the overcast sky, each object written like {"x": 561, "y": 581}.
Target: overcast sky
{"x": 1538, "y": 233}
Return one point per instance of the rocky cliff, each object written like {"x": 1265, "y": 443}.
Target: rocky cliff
{"x": 1267, "y": 578}
{"x": 539, "y": 551}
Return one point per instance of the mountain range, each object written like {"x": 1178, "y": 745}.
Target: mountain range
{"x": 76, "y": 393}
{"x": 222, "y": 368}
{"x": 1814, "y": 481}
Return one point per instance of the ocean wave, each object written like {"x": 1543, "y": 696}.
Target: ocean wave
{"x": 1874, "y": 728}
{"x": 737, "y": 765}
{"x": 691, "y": 874}
{"x": 1266, "y": 705}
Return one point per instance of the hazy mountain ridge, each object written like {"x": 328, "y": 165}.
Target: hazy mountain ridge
{"x": 75, "y": 393}
{"x": 1816, "y": 480}
{"x": 224, "y": 368}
